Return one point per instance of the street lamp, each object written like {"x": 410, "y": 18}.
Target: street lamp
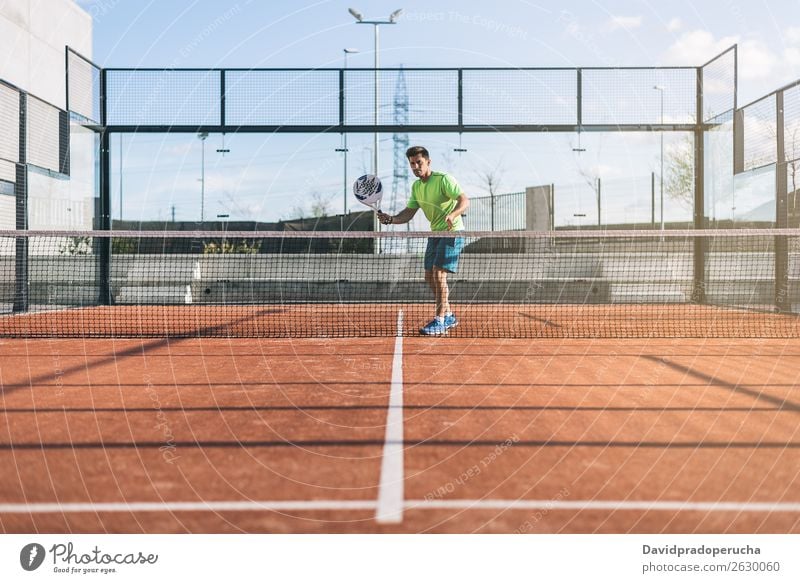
{"x": 375, "y": 24}
{"x": 661, "y": 180}
{"x": 202, "y": 136}
{"x": 343, "y": 149}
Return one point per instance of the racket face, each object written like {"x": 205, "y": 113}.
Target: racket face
{"x": 368, "y": 190}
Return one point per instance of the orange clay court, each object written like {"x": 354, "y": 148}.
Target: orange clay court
{"x": 401, "y": 434}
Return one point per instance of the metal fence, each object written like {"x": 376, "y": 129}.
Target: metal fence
{"x": 83, "y": 87}
{"x": 766, "y": 155}
{"x": 500, "y": 212}
{"x": 466, "y": 99}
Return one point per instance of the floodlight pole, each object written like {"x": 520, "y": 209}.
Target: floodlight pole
{"x": 376, "y": 25}
{"x": 343, "y": 149}
{"x": 661, "y": 180}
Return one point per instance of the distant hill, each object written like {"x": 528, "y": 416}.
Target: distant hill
{"x": 763, "y": 212}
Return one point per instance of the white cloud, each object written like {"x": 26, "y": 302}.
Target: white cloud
{"x": 761, "y": 68}
{"x": 792, "y": 57}
{"x": 792, "y": 35}
{"x": 627, "y": 22}
{"x": 607, "y": 171}
{"x": 696, "y": 47}
{"x": 178, "y": 150}
{"x": 573, "y": 28}
{"x": 757, "y": 62}
{"x": 674, "y": 25}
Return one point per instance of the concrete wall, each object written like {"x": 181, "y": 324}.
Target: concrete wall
{"x": 538, "y": 209}
{"x": 33, "y": 37}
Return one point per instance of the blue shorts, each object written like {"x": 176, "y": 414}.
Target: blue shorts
{"x": 443, "y": 252}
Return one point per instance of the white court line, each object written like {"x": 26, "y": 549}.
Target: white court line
{"x": 300, "y": 505}
{"x": 607, "y": 505}
{"x": 210, "y": 506}
{"x": 390, "y": 490}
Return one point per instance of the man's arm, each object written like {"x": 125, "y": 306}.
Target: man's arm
{"x": 400, "y": 218}
{"x": 461, "y": 206}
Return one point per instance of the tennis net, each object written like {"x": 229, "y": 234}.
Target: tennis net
{"x": 619, "y": 284}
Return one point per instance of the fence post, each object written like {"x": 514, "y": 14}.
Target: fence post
{"x": 700, "y": 243}
{"x": 599, "y": 216}
{"x": 653, "y": 199}
{"x": 782, "y": 302}
{"x": 104, "y": 212}
{"x": 21, "y": 285}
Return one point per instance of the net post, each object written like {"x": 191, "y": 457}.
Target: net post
{"x": 104, "y": 211}
{"x": 782, "y": 301}
{"x": 699, "y": 245}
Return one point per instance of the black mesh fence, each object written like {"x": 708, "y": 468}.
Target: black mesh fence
{"x": 719, "y": 85}
{"x": 282, "y": 97}
{"x": 435, "y": 97}
{"x": 432, "y": 96}
{"x": 9, "y": 124}
{"x": 167, "y": 98}
{"x": 634, "y": 96}
{"x": 45, "y": 135}
{"x": 502, "y": 97}
{"x": 759, "y": 133}
{"x": 83, "y": 87}
{"x": 791, "y": 122}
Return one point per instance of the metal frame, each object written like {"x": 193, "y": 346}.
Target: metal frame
{"x": 783, "y": 302}
{"x": 342, "y": 126}
{"x": 698, "y": 128}
{"x": 21, "y": 281}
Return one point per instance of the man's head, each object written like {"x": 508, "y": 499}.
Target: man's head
{"x": 420, "y": 161}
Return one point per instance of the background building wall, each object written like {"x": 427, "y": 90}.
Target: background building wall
{"x": 33, "y": 37}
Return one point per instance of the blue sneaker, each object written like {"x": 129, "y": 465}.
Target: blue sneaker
{"x": 450, "y": 321}
{"x": 435, "y": 327}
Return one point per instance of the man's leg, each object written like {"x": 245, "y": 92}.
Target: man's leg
{"x": 436, "y": 278}
{"x": 440, "y": 290}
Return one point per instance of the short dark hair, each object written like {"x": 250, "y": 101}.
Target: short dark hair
{"x": 416, "y": 151}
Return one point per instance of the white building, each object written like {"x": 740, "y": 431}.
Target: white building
{"x": 34, "y": 35}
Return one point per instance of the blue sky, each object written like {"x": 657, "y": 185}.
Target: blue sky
{"x": 250, "y": 33}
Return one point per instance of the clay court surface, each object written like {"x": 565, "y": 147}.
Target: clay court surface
{"x": 214, "y": 435}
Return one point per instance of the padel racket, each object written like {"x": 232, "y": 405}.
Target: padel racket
{"x": 368, "y": 190}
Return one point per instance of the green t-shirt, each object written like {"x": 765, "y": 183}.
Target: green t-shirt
{"x": 437, "y": 197}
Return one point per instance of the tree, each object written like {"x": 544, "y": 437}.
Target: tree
{"x": 490, "y": 178}
{"x": 320, "y": 206}
{"x": 679, "y": 171}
